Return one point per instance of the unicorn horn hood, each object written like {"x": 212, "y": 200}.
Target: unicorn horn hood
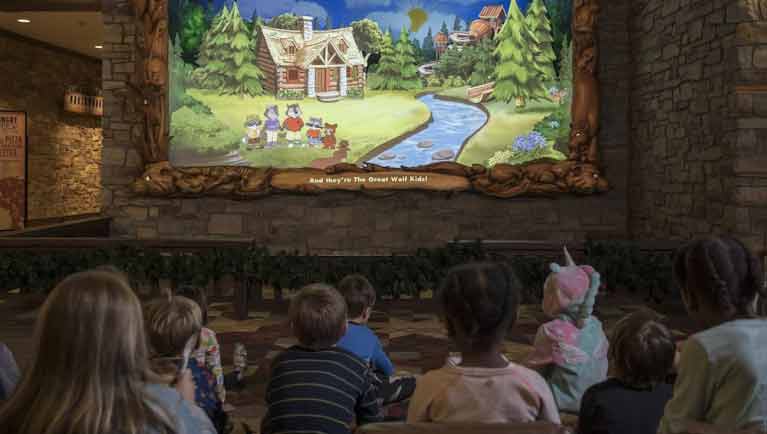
{"x": 570, "y": 289}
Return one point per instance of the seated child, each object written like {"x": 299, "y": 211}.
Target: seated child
{"x": 316, "y": 386}
{"x": 722, "y": 372}
{"x": 9, "y": 372}
{"x": 480, "y": 304}
{"x": 173, "y": 327}
{"x": 571, "y": 350}
{"x": 208, "y": 351}
{"x": 359, "y": 339}
{"x": 641, "y": 356}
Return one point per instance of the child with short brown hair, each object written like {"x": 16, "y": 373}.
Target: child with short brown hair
{"x": 316, "y": 386}
{"x": 173, "y": 327}
{"x": 359, "y": 339}
{"x": 641, "y": 356}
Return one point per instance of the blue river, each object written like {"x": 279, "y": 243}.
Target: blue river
{"x": 453, "y": 123}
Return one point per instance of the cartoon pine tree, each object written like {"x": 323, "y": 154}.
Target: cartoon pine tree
{"x": 408, "y": 64}
{"x": 539, "y": 25}
{"x": 444, "y": 29}
{"x": 388, "y": 66}
{"x": 207, "y": 51}
{"x": 230, "y": 65}
{"x": 457, "y": 24}
{"x": 516, "y": 75}
{"x": 566, "y": 63}
{"x": 418, "y": 51}
{"x": 428, "y": 46}
{"x": 484, "y": 66}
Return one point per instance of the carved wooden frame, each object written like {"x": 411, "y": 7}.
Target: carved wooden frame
{"x": 579, "y": 174}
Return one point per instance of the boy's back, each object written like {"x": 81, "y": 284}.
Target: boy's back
{"x": 612, "y": 407}
{"x": 319, "y": 391}
{"x": 363, "y": 342}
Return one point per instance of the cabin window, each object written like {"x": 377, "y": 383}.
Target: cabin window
{"x": 292, "y": 50}
{"x": 293, "y": 75}
{"x": 351, "y": 72}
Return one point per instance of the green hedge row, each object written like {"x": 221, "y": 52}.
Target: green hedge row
{"x": 622, "y": 265}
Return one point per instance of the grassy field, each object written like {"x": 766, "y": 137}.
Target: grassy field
{"x": 505, "y": 124}
{"x": 364, "y": 123}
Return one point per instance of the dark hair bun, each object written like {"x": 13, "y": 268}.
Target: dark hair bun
{"x": 480, "y": 302}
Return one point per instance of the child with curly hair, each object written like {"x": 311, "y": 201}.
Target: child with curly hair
{"x": 722, "y": 371}
{"x": 480, "y": 304}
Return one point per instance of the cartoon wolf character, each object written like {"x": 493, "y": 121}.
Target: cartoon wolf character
{"x": 293, "y": 124}
{"x": 314, "y": 131}
{"x": 272, "y": 125}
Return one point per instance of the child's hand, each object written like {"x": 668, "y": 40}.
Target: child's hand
{"x": 185, "y": 385}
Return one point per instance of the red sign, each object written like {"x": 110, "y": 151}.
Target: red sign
{"x": 13, "y": 169}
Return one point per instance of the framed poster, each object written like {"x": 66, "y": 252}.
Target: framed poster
{"x": 13, "y": 170}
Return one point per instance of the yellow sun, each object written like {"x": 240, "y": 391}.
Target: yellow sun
{"x": 418, "y": 17}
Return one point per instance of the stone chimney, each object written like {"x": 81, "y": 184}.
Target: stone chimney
{"x": 308, "y": 27}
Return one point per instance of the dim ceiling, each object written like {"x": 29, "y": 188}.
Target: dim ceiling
{"x": 75, "y": 25}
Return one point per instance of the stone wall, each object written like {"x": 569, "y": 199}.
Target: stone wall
{"x": 680, "y": 118}
{"x": 749, "y": 200}
{"x": 699, "y": 165}
{"x": 354, "y": 223}
{"x": 64, "y": 149}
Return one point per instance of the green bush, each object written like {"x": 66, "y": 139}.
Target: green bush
{"x": 355, "y": 92}
{"x": 433, "y": 81}
{"x": 291, "y": 94}
{"x": 454, "y": 81}
{"x": 621, "y": 264}
{"x": 195, "y": 128}
{"x": 196, "y": 105}
{"x": 556, "y": 126}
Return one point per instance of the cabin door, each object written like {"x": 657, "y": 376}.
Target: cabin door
{"x": 323, "y": 80}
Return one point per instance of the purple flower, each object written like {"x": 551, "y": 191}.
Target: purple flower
{"x": 529, "y": 143}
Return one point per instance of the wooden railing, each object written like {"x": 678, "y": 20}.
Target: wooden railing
{"x": 479, "y": 93}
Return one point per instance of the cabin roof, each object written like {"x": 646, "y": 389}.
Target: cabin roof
{"x": 279, "y": 41}
{"x": 492, "y": 11}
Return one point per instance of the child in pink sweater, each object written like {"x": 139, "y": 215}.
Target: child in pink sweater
{"x": 480, "y": 305}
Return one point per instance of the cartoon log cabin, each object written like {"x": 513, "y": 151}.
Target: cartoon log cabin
{"x": 326, "y": 64}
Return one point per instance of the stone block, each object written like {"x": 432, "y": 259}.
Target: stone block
{"x": 751, "y": 196}
{"x": 144, "y": 233}
{"x": 113, "y": 156}
{"x": 188, "y": 207}
{"x": 167, "y": 226}
{"x": 752, "y": 123}
{"x": 225, "y": 224}
{"x": 760, "y": 57}
{"x": 136, "y": 213}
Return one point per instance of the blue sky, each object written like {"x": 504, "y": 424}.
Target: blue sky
{"x": 386, "y": 12}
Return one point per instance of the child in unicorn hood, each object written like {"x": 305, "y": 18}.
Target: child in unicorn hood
{"x": 570, "y": 350}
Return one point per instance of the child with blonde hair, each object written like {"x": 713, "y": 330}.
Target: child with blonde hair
{"x": 570, "y": 351}
{"x": 91, "y": 374}
{"x": 480, "y": 303}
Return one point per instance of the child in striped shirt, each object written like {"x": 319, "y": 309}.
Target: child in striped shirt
{"x": 316, "y": 386}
